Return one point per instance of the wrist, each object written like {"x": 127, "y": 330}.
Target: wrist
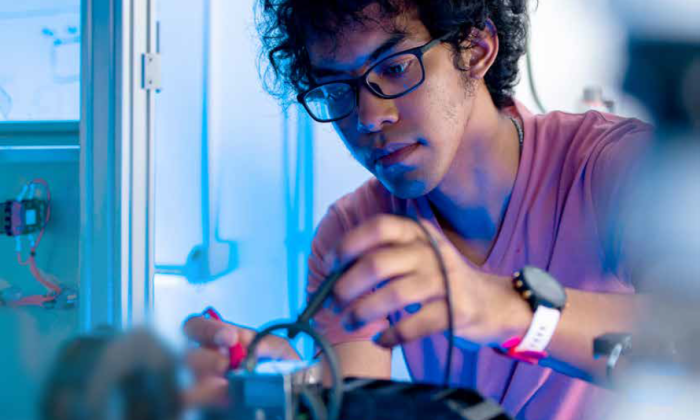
{"x": 545, "y": 298}
{"x": 518, "y": 316}
{"x": 514, "y": 313}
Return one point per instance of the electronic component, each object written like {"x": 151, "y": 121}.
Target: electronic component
{"x": 23, "y": 217}
{"x": 67, "y": 298}
{"x": 273, "y": 390}
{"x": 133, "y": 376}
{"x": 27, "y": 217}
{"x": 292, "y": 391}
{"x": 391, "y": 400}
{"x": 612, "y": 346}
{"x": 278, "y": 396}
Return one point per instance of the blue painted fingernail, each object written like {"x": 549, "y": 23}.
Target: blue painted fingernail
{"x": 351, "y": 323}
{"x": 413, "y": 308}
{"x": 377, "y": 337}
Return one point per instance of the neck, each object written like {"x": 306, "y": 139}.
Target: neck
{"x": 471, "y": 200}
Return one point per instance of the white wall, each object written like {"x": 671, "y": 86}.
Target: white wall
{"x": 39, "y": 60}
{"x": 576, "y": 44}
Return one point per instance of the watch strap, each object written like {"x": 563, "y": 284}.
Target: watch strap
{"x": 531, "y": 347}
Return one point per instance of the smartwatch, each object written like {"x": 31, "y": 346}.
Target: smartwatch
{"x": 547, "y": 298}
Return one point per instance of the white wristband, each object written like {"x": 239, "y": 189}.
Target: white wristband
{"x": 541, "y": 330}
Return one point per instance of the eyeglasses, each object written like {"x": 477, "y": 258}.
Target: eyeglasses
{"x": 394, "y": 76}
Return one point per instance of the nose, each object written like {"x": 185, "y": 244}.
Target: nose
{"x": 373, "y": 112}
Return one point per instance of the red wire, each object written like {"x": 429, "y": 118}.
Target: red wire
{"x": 37, "y": 275}
{"x": 32, "y": 260}
{"x": 38, "y": 300}
{"x": 48, "y": 209}
{"x": 19, "y": 260}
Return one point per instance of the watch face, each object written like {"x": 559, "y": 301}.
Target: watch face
{"x": 545, "y": 289}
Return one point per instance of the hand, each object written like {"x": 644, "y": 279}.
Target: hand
{"x": 210, "y": 361}
{"x": 395, "y": 257}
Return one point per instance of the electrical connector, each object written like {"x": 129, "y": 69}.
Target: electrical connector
{"x": 66, "y": 299}
{"x": 23, "y": 217}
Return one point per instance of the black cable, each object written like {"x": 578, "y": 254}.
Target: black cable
{"x": 448, "y": 300}
{"x": 319, "y": 297}
{"x": 326, "y": 288}
{"x": 511, "y": 373}
{"x": 336, "y": 392}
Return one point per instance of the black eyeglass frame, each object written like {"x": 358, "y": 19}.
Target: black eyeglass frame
{"x": 356, "y": 81}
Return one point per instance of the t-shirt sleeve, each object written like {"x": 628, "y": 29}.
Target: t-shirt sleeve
{"x": 616, "y": 170}
{"x": 329, "y": 232}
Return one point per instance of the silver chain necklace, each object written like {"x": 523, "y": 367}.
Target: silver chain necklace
{"x": 521, "y": 135}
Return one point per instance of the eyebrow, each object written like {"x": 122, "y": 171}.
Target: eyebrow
{"x": 386, "y": 46}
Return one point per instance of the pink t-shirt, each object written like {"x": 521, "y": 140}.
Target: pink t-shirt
{"x": 572, "y": 168}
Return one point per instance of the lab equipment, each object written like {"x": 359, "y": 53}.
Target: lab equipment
{"x": 25, "y": 218}
{"x": 134, "y": 376}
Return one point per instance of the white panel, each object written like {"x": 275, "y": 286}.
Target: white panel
{"x": 247, "y": 146}
{"x": 179, "y": 131}
{"x": 245, "y": 167}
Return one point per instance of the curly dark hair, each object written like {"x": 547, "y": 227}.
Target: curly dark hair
{"x": 285, "y": 25}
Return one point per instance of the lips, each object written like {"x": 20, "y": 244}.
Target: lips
{"x": 393, "y": 153}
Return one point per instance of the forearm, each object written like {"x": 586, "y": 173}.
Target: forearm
{"x": 361, "y": 359}
{"x": 587, "y": 316}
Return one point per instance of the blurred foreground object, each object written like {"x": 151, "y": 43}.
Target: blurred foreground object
{"x": 658, "y": 225}
{"x": 132, "y": 376}
{"x": 111, "y": 376}
{"x": 664, "y": 60}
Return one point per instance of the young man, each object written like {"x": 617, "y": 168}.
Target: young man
{"x": 421, "y": 94}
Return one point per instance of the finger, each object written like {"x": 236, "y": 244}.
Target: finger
{"x": 396, "y": 295}
{"x": 431, "y": 319}
{"x": 376, "y": 267}
{"x": 211, "y": 332}
{"x": 217, "y": 334}
{"x": 206, "y": 362}
{"x": 212, "y": 391}
{"x": 276, "y": 347}
{"x": 382, "y": 230}
{"x": 430, "y": 228}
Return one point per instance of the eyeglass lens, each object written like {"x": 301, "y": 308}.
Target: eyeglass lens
{"x": 390, "y": 77}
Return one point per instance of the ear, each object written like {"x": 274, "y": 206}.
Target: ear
{"x": 483, "y": 51}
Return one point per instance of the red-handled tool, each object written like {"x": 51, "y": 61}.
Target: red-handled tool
{"x": 237, "y": 353}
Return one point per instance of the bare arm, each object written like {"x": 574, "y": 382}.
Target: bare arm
{"x": 586, "y": 316}
{"x": 361, "y": 359}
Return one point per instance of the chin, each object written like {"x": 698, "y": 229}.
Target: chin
{"x": 405, "y": 188}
